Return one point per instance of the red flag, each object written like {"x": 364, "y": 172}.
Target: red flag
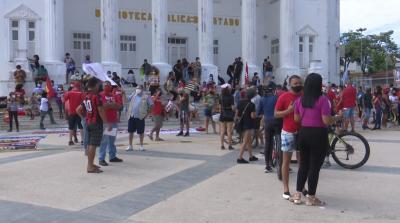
{"x": 49, "y": 89}
{"x": 246, "y": 75}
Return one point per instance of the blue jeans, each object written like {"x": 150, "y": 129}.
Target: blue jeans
{"x": 108, "y": 141}
{"x": 85, "y": 134}
{"x": 378, "y": 117}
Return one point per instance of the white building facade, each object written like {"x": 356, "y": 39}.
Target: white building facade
{"x": 299, "y": 36}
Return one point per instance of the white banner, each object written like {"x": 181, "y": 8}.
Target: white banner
{"x": 96, "y": 70}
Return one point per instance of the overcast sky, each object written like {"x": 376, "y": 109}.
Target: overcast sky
{"x": 375, "y": 15}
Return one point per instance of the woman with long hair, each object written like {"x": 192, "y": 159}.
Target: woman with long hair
{"x": 378, "y": 103}
{"x": 246, "y": 113}
{"x": 227, "y": 105}
{"x": 313, "y": 111}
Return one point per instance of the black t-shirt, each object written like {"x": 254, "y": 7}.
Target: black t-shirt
{"x": 226, "y": 102}
{"x": 245, "y": 113}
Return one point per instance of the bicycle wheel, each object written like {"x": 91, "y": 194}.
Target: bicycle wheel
{"x": 277, "y": 155}
{"x": 350, "y": 150}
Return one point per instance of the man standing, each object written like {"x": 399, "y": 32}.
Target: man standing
{"x": 349, "y": 97}
{"x": 19, "y": 75}
{"x": 138, "y": 109}
{"x": 237, "y": 71}
{"x": 70, "y": 66}
{"x": 146, "y": 67}
{"x": 92, "y": 108}
{"x": 284, "y": 108}
{"x": 271, "y": 124}
{"x": 74, "y": 98}
{"x": 197, "y": 68}
{"x": 111, "y": 107}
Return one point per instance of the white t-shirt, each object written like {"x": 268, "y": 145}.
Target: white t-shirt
{"x": 44, "y": 104}
{"x": 393, "y": 99}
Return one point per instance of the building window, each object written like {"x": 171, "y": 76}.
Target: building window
{"x": 301, "y": 51}
{"x": 127, "y": 45}
{"x": 177, "y": 49}
{"x": 275, "y": 52}
{"x": 81, "y": 46}
{"x": 311, "y": 47}
{"x": 31, "y": 39}
{"x": 14, "y": 26}
{"x": 215, "y": 51}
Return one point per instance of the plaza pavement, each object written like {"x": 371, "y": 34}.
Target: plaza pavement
{"x": 188, "y": 180}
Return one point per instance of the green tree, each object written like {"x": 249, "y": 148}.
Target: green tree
{"x": 371, "y": 52}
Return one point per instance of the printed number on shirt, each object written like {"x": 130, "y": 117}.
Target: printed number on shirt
{"x": 88, "y": 105}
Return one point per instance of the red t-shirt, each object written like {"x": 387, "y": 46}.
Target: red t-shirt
{"x": 19, "y": 94}
{"x": 289, "y": 125}
{"x": 74, "y": 98}
{"x": 118, "y": 96}
{"x": 349, "y": 97}
{"x": 91, "y": 104}
{"x": 111, "y": 114}
{"x": 157, "y": 108}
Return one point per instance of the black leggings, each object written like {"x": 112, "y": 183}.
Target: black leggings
{"x": 11, "y": 115}
{"x": 313, "y": 143}
{"x": 271, "y": 129}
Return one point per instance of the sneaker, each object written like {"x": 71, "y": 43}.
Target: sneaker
{"x": 186, "y": 134}
{"x": 70, "y": 143}
{"x": 231, "y": 148}
{"x": 116, "y": 160}
{"x": 242, "y": 161}
{"x": 141, "y": 148}
{"x": 76, "y": 140}
{"x": 103, "y": 163}
{"x": 268, "y": 169}
{"x": 286, "y": 195}
{"x": 129, "y": 148}
{"x": 180, "y": 133}
{"x": 253, "y": 158}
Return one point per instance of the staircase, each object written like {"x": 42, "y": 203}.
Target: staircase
{"x": 26, "y": 124}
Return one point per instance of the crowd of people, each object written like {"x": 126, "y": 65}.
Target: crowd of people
{"x": 258, "y": 109}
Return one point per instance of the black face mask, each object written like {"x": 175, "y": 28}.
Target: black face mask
{"x": 297, "y": 89}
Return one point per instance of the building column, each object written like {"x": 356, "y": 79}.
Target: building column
{"x": 159, "y": 25}
{"x": 206, "y": 39}
{"x": 110, "y": 36}
{"x": 54, "y": 40}
{"x": 287, "y": 41}
{"x": 249, "y": 38}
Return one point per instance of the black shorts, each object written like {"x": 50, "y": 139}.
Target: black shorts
{"x": 74, "y": 121}
{"x": 136, "y": 125}
{"x": 95, "y": 134}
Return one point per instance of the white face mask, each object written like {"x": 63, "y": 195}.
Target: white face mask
{"x": 138, "y": 91}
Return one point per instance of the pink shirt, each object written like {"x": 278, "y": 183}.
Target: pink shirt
{"x": 312, "y": 117}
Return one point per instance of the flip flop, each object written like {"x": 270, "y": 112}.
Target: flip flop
{"x": 95, "y": 171}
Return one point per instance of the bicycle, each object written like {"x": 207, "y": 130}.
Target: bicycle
{"x": 349, "y": 150}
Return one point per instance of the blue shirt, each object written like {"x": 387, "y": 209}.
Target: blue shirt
{"x": 267, "y": 107}
{"x": 136, "y": 105}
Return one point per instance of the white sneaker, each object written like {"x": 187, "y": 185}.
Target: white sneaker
{"x": 129, "y": 148}
{"x": 141, "y": 148}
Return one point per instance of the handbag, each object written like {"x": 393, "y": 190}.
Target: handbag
{"x": 238, "y": 122}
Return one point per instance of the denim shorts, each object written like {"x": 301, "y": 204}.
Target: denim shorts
{"x": 288, "y": 141}
{"x": 367, "y": 113}
{"x": 348, "y": 112}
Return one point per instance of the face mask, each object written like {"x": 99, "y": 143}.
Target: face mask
{"x": 297, "y": 89}
{"x": 139, "y": 91}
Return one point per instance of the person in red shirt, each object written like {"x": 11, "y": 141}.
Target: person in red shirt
{"x": 92, "y": 109}
{"x": 111, "y": 105}
{"x": 73, "y": 99}
{"x": 284, "y": 108}
{"x": 157, "y": 111}
{"x": 119, "y": 97}
{"x": 349, "y": 103}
